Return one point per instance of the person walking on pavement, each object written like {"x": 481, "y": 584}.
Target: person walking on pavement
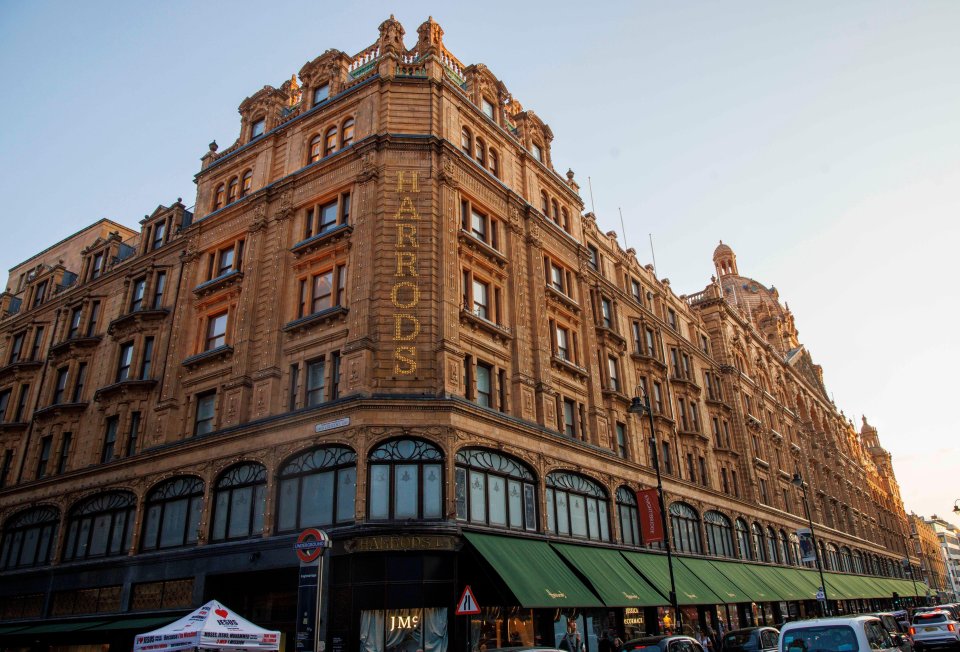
{"x": 572, "y": 641}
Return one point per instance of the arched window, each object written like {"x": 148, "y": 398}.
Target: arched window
{"x": 494, "y": 162}
{"x": 544, "y": 204}
{"x": 857, "y": 557}
{"x": 758, "y": 545}
{"x": 232, "y": 189}
{"x": 576, "y": 506}
{"x": 316, "y": 149}
{"x": 685, "y": 525}
{"x": 795, "y": 549}
{"x": 406, "y": 481}
{"x": 823, "y": 556}
{"x": 173, "y": 514}
{"x": 480, "y": 151}
{"x": 218, "y": 197}
{"x": 833, "y": 557}
{"x": 100, "y": 526}
{"x": 555, "y": 212}
{"x": 28, "y": 538}
{"x": 564, "y": 219}
{"x": 783, "y": 549}
{"x": 346, "y": 133}
{"x": 846, "y": 560}
{"x": 629, "y": 517}
{"x": 466, "y": 141}
{"x": 493, "y": 489}
{"x": 773, "y": 555}
{"x": 330, "y": 141}
{"x": 719, "y": 535}
{"x": 743, "y": 540}
{"x": 317, "y": 487}
{"x": 247, "y": 184}
{"x": 238, "y": 502}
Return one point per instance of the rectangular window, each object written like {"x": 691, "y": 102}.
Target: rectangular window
{"x": 569, "y": 417}
{"x": 4, "y": 403}
{"x": 502, "y": 389}
{"x": 37, "y": 343}
{"x": 636, "y": 290}
{"x": 19, "y": 415}
{"x": 763, "y": 492}
{"x": 158, "y": 288}
{"x": 46, "y": 443}
{"x": 703, "y": 472}
{"x": 685, "y": 359}
{"x": 60, "y": 389}
{"x": 613, "y": 373}
{"x": 16, "y": 349}
{"x": 316, "y": 381}
{"x": 726, "y": 433}
{"x": 136, "y": 297}
{"x": 146, "y": 361}
{"x": 593, "y": 256}
{"x": 75, "y": 316}
{"x": 5, "y": 469}
{"x": 133, "y": 433}
{"x": 563, "y": 343}
{"x": 672, "y": 319}
{"x": 723, "y": 480}
{"x": 651, "y": 349}
{"x": 64, "y": 452}
{"x": 657, "y": 398}
{"x": 321, "y": 93}
{"x": 637, "y": 338}
{"x": 733, "y": 483}
{"x": 716, "y": 432}
{"x": 216, "y": 331}
{"x": 786, "y": 500}
{"x": 484, "y": 385}
{"x": 704, "y": 344}
{"x": 225, "y": 260}
{"x": 258, "y": 128}
{"x": 335, "y": 375}
{"x": 691, "y": 471}
{"x": 110, "y": 439}
{"x": 294, "y": 384}
{"x": 487, "y": 107}
{"x": 667, "y": 462}
{"x": 694, "y": 416}
{"x": 321, "y": 292}
{"x": 159, "y": 231}
{"x": 682, "y": 411}
{"x": 537, "y": 152}
{"x": 606, "y": 313}
{"x": 81, "y": 378}
{"x": 93, "y": 318}
{"x": 675, "y": 362}
{"x": 556, "y": 277}
{"x": 97, "y": 267}
{"x": 621, "y": 440}
{"x": 481, "y": 299}
{"x": 203, "y": 421}
{"x": 327, "y": 216}
{"x": 125, "y": 361}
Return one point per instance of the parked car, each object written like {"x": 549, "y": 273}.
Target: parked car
{"x": 935, "y": 629}
{"x": 663, "y": 643}
{"x": 900, "y": 634}
{"x": 850, "y": 634}
{"x": 750, "y": 639}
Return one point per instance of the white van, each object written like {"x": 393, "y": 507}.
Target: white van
{"x": 853, "y": 634}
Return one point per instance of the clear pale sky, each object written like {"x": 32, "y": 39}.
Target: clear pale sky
{"x": 821, "y": 140}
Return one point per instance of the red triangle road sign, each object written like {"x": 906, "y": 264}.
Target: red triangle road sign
{"x": 468, "y": 604}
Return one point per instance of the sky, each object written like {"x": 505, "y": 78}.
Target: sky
{"x": 821, "y": 140}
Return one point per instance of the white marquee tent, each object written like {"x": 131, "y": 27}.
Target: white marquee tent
{"x": 211, "y": 627}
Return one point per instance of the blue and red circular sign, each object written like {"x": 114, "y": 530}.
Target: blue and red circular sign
{"x": 310, "y": 544}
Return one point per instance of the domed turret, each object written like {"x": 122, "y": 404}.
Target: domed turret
{"x": 725, "y": 261}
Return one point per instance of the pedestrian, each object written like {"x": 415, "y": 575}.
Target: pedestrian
{"x": 706, "y": 640}
{"x": 572, "y": 641}
{"x": 605, "y": 645}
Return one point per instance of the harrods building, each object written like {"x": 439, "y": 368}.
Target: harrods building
{"x": 388, "y": 316}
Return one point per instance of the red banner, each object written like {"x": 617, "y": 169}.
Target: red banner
{"x": 651, "y": 523}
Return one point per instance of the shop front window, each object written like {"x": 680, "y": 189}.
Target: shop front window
{"x": 493, "y": 489}
{"x": 406, "y": 481}
{"x": 404, "y": 630}
{"x": 495, "y": 628}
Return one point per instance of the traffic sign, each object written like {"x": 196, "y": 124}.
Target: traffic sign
{"x": 310, "y": 544}
{"x": 468, "y": 604}
{"x": 820, "y": 594}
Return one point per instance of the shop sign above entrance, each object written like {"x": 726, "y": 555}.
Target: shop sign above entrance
{"x": 310, "y": 544}
{"x": 468, "y": 604}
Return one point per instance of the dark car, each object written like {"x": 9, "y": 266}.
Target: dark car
{"x": 897, "y": 631}
{"x": 669, "y": 643}
{"x": 750, "y": 639}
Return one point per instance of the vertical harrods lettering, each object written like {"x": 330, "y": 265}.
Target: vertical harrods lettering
{"x": 405, "y": 294}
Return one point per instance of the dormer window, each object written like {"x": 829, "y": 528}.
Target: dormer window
{"x": 218, "y": 197}
{"x": 481, "y": 152}
{"x": 321, "y": 94}
{"x": 247, "y": 184}
{"x": 346, "y": 139}
{"x": 537, "y": 152}
{"x": 487, "y": 107}
{"x": 330, "y": 141}
{"x": 316, "y": 144}
{"x": 97, "y": 268}
{"x": 232, "y": 190}
{"x": 41, "y": 291}
{"x": 466, "y": 141}
{"x": 258, "y": 128}
{"x": 159, "y": 231}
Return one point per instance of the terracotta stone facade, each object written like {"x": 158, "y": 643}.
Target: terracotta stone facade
{"x": 387, "y": 252}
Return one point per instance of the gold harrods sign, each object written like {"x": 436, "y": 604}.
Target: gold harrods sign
{"x": 401, "y": 543}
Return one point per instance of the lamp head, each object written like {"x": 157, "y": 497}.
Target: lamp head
{"x": 797, "y": 480}
{"x": 636, "y": 406}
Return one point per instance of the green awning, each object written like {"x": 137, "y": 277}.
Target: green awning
{"x": 787, "y": 581}
{"x": 757, "y": 587}
{"x": 873, "y": 587}
{"x": 141, "y": 625}
{"x": 613, "y": 579}
{"x": 727, "y": 580}
{"x": 533, "y": 571}
{"x": 53, "y": 628}
{"x": 842, "y": 587}
{"x": 10, "y": 629}
{"x": 690, "y": 589}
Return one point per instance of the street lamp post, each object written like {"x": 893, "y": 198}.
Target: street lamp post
{"x": 639, "y": 407}
{"x": 798, "y": 482}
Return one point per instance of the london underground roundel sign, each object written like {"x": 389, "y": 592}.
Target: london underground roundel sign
{"x": 310, "y": 544}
